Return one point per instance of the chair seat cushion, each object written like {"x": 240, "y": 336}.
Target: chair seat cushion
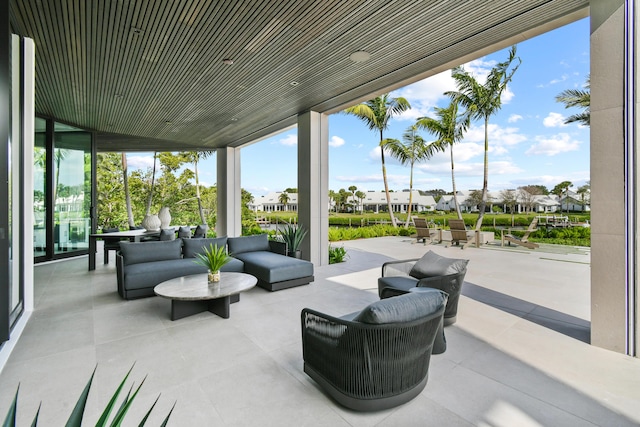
{"x": 403, "y": 308}
{"x": 273, "y": 268}
{"x": 432, "y": 264}
{"x": 403, "y": 283}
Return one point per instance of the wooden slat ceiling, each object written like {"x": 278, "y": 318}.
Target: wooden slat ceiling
{"x": 149, "y": 74}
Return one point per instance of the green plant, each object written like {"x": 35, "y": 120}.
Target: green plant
{"x": 77, "y": 415}
{"x": 337, "y": 254}
{"x": 214, "y": 257}
{"x": 293, "y": 235}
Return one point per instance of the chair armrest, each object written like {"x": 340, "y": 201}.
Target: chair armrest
{"x": 120, "y": 273}
{"x": 278, "y": 247}
{"x": 398, "y": 268}
{"x": 390, "y": 292}
{"x": 444, "y": 283}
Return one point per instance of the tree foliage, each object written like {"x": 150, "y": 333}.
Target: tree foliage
{"x": 580, "y": 98}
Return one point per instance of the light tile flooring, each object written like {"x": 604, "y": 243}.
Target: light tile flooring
{"x": 518, "y": 355}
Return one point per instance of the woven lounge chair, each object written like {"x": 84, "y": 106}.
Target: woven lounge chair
{"x": 377, "y": 358}
{"x": 522, "y": 241}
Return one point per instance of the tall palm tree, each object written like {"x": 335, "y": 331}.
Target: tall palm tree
{"x": 449, "y": 130}
{"x": 411, "y": 150}
{"x": 578, "y": 98}
{"x": 153, "y": 182}
{"x": 481, "y": 101}
{"x": 376, "y": 114}
{"x": 127, "y": 195}
{"x": 195, "y": 157}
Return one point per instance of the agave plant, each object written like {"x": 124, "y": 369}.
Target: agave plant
{"x": 214, "y": 257}
{"x": 77, "y": 415}
{"x": 293, "y": 235}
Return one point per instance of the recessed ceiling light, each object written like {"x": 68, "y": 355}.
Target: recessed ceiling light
{"x": 294, "y": 83}
{"x": 168, "y": 122}
{"x": 234, "y": 119}
{"x": 227, "y": 61}
{"x": 360, "y": 56}
{"x": 119, "y": 95}
{"x": 136, "y": 30}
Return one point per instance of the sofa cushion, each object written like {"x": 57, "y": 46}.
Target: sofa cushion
{"x": 135, "y": 253}
{"x": 238, "y": 245}
{"x": 403, "y": 308}
{"x": 196, "y": 246}
{"x": 397, "y": 282}
{"x": 273, "y": 268}
{"x": 432, "y": 264}
{"x": 149, "y": 274}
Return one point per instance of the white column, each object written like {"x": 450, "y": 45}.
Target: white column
{"x": 614, "y": 176}
{"x": 313, "y": 185}
{"x": 229, "y": 209}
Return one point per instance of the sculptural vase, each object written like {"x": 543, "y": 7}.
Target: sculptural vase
{"x": 151, "y": 223}
{"x": 165, "y": 217}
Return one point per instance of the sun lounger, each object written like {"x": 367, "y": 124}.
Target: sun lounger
{"x": 522, "y": 241}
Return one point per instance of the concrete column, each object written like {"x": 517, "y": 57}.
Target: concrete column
{"x": 313, "y": 185}
{"x": 614, "y": 179}
{"x": 229, "y": 210}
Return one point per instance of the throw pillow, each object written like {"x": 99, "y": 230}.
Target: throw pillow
{"x": 403, "y": 308}
{"x": 431, "y": 264}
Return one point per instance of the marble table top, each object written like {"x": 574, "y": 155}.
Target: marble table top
{"x": 196, "y": 288}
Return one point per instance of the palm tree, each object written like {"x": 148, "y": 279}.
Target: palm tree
{"x": 449, "y": 130}
{"x": 578, "y": 98}
{"x": 284, "y": 199}
{"x": 127, "y": 196}
{"x": 481, "y": 101}
{"x": 194, "y": 157}
{"x": 153, "y": 181}
{"x": 412, "y": 150}
{"x": 376, "y": 114}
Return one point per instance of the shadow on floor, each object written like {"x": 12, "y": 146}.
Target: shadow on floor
{"x": 566, "y": 324}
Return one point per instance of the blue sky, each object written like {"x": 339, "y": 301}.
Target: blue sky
{"x": 528, "y": 141}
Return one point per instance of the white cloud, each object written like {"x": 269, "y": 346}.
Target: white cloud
{"x": 139, "y": 162}
{"x": 289, "y": 140}
{"x": 550, "y": 146}
{"x": 514, "y": 118}
{"x": 425, "y": 94}
{"x": 554, "y": 120}
{"x": 336, "y": 141}
{"x": 499, "y": 137}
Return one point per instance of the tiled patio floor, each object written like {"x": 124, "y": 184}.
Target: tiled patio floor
{"x": 518, "y": 355}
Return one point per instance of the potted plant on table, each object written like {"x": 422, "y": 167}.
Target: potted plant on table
{"x": 293, "y": 235}
{"x": 214, "y": 257}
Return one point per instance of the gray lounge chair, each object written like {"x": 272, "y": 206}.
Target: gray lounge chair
{"x": 379, "y": 357}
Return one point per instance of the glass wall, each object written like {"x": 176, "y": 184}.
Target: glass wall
{"x": 62, "y": 190}
{"x": 40, "y": 189}
{"x": 71, "y": 188}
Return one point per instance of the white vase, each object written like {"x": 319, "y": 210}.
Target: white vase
{"x": 165, "y": 217}
{"x": 151, "y": 223}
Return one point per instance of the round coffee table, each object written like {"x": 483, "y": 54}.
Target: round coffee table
{"x": 193, "y": 294}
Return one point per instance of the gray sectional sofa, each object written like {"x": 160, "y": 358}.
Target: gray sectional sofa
{"x": 142, "y": 266}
